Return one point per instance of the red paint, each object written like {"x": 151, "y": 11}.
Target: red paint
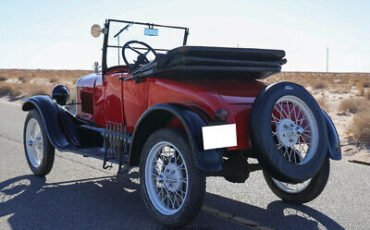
{"x": 116, "y": 100}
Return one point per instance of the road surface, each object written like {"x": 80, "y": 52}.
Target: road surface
{"x": 79, "y": 194}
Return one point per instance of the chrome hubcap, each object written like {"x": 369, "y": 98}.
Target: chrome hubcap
{"x": 166, "y": 178}
{"x": 34, "y": 143}
{"x": 287, "y": 132}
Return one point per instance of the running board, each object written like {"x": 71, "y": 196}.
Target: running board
{"x": 97, "y": 153}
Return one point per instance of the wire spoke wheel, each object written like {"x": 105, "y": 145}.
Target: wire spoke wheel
{"x": 166, "y": 178}
{"x": 292, "y": 188}
{"x": 294, "y": 130}
{"x": 288, "y": 132}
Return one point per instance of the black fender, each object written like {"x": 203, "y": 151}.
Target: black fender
{"x": 334, "y": 148}
{"x": 157, "y": 117}
{"x": 59, "y": 124}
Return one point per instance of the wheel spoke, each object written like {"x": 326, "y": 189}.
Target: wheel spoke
{"x": 283, "y": 110}
{"x": 295, "y": 129}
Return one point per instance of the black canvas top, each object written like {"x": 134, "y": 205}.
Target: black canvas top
{"x": 214, "y": 62}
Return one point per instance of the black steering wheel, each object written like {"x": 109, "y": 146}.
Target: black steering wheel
{"x": 142, "y": 57}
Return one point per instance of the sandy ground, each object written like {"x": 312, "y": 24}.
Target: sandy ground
{"x": 350, "y": 150}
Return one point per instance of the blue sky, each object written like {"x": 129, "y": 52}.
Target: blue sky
{"x": 56, "y": 34}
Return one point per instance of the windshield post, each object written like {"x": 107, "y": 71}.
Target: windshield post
{"x": 186, "y": 36}
{"x": 105, "y": 44}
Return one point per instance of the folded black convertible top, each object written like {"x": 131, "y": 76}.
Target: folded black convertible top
{"x": 214, "y": 62}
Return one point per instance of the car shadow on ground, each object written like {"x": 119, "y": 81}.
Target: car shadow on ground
{"x": 110, "y": 202}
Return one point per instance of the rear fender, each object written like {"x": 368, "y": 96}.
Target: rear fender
{"x": 59, "y": 124}
{"x": 157, "y": 117}
{"x": 334, "y": 150}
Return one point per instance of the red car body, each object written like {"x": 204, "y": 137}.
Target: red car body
{"x": 112, "y": 99}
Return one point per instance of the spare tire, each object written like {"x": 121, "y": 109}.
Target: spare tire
{"x": 288, "y": 132}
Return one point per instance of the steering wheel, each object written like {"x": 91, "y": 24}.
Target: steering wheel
{"x": 142, "y": 57}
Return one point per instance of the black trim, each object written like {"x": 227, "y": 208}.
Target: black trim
{"x": 147, "y": 24}
{"x": 65, "y": 131}
{"x": 158, "y": 116}
{"x": 49, "y": 112}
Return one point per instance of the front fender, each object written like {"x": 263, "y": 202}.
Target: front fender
{"x": 205, "y": 160}
{"x": 52, "y": 115}
{"x": 334, "y": 149}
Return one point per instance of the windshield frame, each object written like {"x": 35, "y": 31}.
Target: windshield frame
{"x": 150, "y": 25}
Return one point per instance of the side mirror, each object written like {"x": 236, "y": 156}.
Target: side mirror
{"x": 150, "y": 32}
{"x": 96, "y": 30}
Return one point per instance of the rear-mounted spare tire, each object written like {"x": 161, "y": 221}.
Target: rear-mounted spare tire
{"x": 288, "y": 132}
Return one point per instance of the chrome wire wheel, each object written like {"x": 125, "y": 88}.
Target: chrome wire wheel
{"x": 292, "y": 188}
{"x": 34, "y": 143}
{"x": 166, "y": 178}
{"x": 294, "y": 129}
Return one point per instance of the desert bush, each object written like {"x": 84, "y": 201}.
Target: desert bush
{"x": 341, "y": 90}
{"x": 23, "y": 79}
{"x": 32, "y": 90}
{"x": 361, "y": 92}
{"x": 9, "y": 90}
{"x": 2, "y": 78}
{"x": 323, "y": 104}
{"x": 319, "y": 85}
{"x": 363, "y": 84}
{"x": 360, "y": 128}
{"x": 53, "y": 80}
{"x": 354, "y": 105}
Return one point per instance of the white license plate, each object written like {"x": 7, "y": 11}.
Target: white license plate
{"x": 219, "y": 136}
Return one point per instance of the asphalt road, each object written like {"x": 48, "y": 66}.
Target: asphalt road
{"x": 79, "y": 194}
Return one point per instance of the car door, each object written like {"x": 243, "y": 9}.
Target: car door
{"x": 135, "y": 95}
{"x": 113, "y": 97}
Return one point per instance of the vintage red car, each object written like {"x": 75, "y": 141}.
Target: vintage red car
{"x": 183, "y": 114}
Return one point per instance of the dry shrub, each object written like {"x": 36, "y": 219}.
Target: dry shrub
{"x": 9, "y": 90}
{"x": 354, "y": 105}
{"x": 361, "y": 92}
{"x": 23, "y": 79}
{"x": 360, "y": 127}
{"x": 336, "y": 82}
{"x": 323, "y": 104}
{"x": 65, "y": 75}
{"x": 33, "y": 90}
{"x": 53, "y": 80}
{"x": 319, "y": 85}
{"x": 363, "y": 84}
{"x": 2, "y": 78}
{"x": 341, "y": 90}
